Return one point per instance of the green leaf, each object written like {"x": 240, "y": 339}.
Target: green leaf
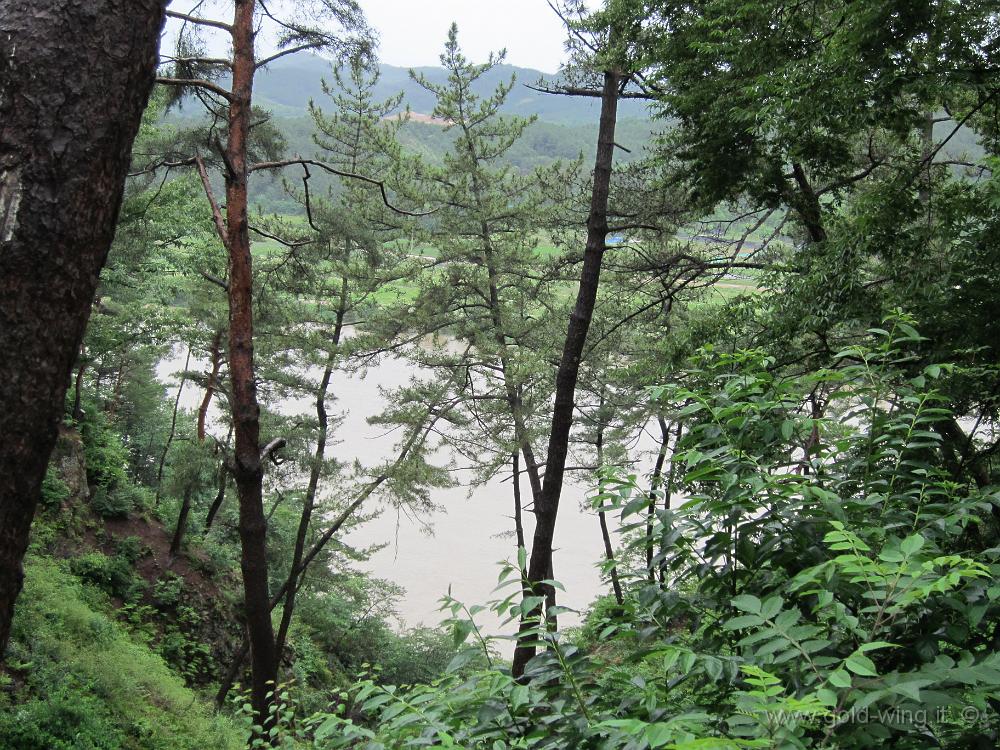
{"x": 875, "y": 645}
{"x": 861, "y": 665}
{"x": 743, "y": 621}
{"x": 827, "y": 697}
{"x": 910, "y": 689}
{"x": 911, "y": 545}
{"x": 659, "y": 734}
{"x": 840, "y": 678}
{"x": 787, "y": 428}
{"x": 771, "y": 607}
{"x": 460, "y": 631}
{"x": 747, "y": 603}
{"x": 460, "y": 660}
{"x": 713, "y": 668}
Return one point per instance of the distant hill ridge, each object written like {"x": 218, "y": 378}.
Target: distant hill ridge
{"x": 566, "y": 126}
{"x": 287, "y": 85}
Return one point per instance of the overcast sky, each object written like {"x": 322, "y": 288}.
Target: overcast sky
{"x": 413, "y": 32}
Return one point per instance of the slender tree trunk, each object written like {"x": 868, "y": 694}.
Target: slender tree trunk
{"x": 74, "y": 80}
{"x": 669, "y": 489}
{"x": 807, "y": 205}
{"x": 812, "y": 442}
{"x": 182, "y": 519}
{"x": 173, "y": 428}
{"x": 518, "y": 521}
{"x": 654, "y": 485}
{"x": 309, "y": 503}
{"x": 609, "y": 552}
{"x": 926, "y": 151}
{"x": 514, "y": 402}
{"x": 78, "y": 388}
{"x": 961, "y": 445}
{"x": 116, "y": 391}
{"x": 547, "y": 505}
{"x": 416, "y": 439}
{"x": 220, "y": 496}
{"x": 215, "y": 354}
{"x": 248, "y": 471}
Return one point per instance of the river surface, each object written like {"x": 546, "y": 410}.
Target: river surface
{"x": 459, "y": 545}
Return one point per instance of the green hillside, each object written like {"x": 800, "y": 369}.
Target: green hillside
{"x": 288, "y": 84}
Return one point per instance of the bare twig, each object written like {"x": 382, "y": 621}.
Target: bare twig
{"x": 339, "y": 173}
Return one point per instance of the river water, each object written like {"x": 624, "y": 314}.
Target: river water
{"x": 459, "y": 545}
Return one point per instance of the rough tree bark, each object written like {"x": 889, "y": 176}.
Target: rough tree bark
{"x": 248, "y": 472}
{"x": 74, "y": 80}
{"x": 547, "y": 505}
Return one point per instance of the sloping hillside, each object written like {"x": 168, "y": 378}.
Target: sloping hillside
{"x": 287, "y": 85}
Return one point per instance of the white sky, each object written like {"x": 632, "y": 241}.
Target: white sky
{"x": 413, "y": 32}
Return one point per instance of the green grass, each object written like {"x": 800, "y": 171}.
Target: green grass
{"x": 84, "y": 684}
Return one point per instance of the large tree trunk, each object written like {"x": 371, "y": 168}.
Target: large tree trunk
{"x": 248, "y": 471}
{"x": 74, "y": 80}
{"x": 547, "y": 505}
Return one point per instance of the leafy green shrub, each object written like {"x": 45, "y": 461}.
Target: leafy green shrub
{"x": 190, "y": 657}
{"x": 168, "y": 590}
{"x": 113, "y": 575}
{"x": 139, "y": 498}
{"x": 110, "y": 504}
{"x": 54, "y": 490}
{"x": 825, "y": 583}
{"x": 104, "y": 453}
{"x": 131, "y": 548}
{"x": 66, "y": 718}
{"x": 119, "y": 501}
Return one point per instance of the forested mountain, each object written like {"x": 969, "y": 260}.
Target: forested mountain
{"x": 673, "y": 415}
{"x": 288, "y": 84}
{"x": 563, "y": 131}
{"x": 542, "y": 144}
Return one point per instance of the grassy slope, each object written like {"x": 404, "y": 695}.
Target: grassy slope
{"x": 78, "y": 680}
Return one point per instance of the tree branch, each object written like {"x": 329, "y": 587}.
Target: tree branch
{"x": 223, "y": 61}
{"x": 592, "y": 93}
{"x": 289, "y": 51}
{"x": 215, "y": 280}
{"x": 198, "y": 83}
{"x": 339, "y": 173}
{"x": 200, "y": 21}
{"x": 269, "y": 450}
{"x": 220, "y": 223}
